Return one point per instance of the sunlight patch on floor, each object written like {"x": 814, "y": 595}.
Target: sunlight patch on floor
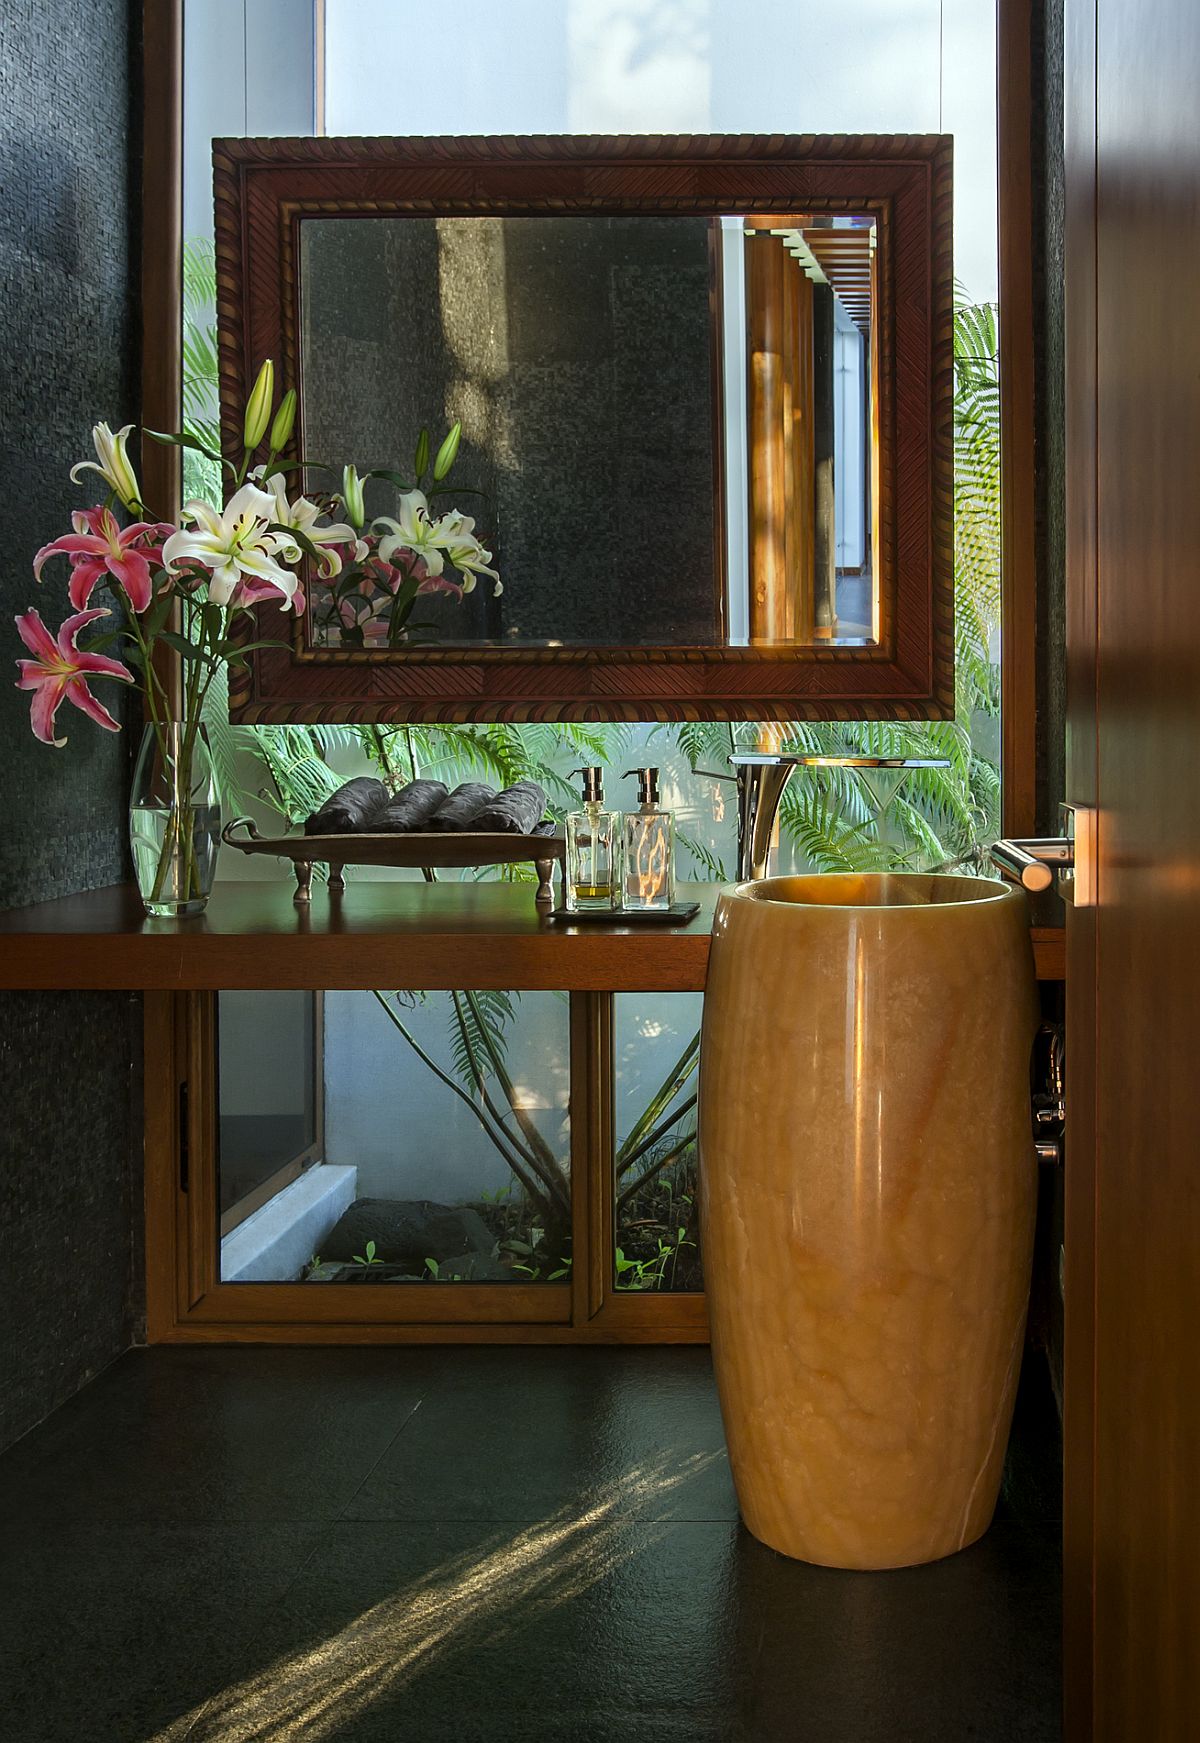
{"x": 482, "y": 1594}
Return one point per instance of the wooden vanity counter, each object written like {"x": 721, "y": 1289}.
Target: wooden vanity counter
{"x": 418, "y": 936}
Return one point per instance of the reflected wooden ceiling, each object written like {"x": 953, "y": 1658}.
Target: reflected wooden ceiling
{"x": 841, "y": 256}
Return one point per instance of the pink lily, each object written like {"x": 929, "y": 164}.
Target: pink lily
{"x": 252, "y": 590}
{"x": 59, "y": 669}
{"x": 392, "y": 577}
{"x": 99, "y": 546}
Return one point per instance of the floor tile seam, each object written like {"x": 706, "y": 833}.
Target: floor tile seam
{"x": 368, "y": 1474}
{"x": 321, "y": 1539}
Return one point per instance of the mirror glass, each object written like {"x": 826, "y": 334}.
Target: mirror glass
{"x": 669, "y": 424}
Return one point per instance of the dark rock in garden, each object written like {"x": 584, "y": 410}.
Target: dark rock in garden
{"x": 350, "y": 809}
{"x": 406, "y": 1232}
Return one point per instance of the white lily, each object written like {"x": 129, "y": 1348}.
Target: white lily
{"x": 412, "y": 531}
{"x": 305, "y": 516}
{"x": 234, "y": 544}
{"x": 456, "y": 535}
{"x": 113, "y": 464}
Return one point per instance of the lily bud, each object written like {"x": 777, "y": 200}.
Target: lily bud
{"x": 421, "y": 457}
{"x": 352, "y": 498}
{"x": 258, "y": 406}
{"x": 446, "y": 454}
{"x": 285, "y": 418}
{"x": 113, "y": 464}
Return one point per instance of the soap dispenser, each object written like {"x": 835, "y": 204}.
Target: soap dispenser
{"x": 648, "y": 848}
{"x": 593, "y": 843}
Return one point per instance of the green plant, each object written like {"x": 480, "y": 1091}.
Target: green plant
{"x": 201, "y": 372}
{"x": 479, "y": 1022}
{"x": 367, "y": 1257}
{"x": 635, "y": 1274}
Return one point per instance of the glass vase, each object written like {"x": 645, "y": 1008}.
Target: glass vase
{"x": 174, "y": 820}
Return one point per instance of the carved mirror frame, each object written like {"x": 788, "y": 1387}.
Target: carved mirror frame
{"x": 265, "y": 188}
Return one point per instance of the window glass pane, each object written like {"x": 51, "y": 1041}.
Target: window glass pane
{"x": 267, "y": 1064}
{"x": 656, "y": 1235}
{"x": 444, "y": 1149}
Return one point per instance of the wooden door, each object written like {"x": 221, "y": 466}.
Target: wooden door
{"x": 1133, "y": 1211}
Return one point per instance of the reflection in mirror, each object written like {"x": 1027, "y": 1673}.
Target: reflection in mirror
{"x": 812, "y": 353}
{"x": 667, "y": 422}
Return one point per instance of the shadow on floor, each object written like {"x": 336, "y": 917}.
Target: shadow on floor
{"x": 478, "y": 1545}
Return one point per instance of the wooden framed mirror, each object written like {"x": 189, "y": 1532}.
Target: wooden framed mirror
{"x": 705, "y": 390}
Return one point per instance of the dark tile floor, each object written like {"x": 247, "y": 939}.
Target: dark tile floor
{"x": 478, "y": 1546}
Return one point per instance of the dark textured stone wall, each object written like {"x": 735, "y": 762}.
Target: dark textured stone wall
{"x": 577, "y": 353}
{"x": 69, "y": 156}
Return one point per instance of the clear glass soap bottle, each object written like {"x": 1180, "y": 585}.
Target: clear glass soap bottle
{"x": 593, "y": 844}
{"x": 648, "y": 848}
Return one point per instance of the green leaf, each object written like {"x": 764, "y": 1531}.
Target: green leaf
{"x": 182, "y": 440}
{"x": 106, "y": 639}
{"x": 389, "y": 477}
{"x": 302, "y": 539}
{"x": 157, "y": 616}
{"x": 229, "y": 649}
{"x": 185, "y": 649}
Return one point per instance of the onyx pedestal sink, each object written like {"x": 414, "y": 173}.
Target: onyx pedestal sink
{"x": 868, "y": 1185}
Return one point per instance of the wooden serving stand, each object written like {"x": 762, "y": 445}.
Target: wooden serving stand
{"x": 423, "y": 849}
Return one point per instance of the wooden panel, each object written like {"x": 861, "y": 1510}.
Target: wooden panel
{"x": 430, "y": 937}
{"x": 189, "y": 1331}
{"x": 1018, "y": 675}
{"x": 411, "y": 1304}
{"x": 263, "y": 189}
{"x": 767, "y": 388}
{"x": 1147, "y": 1205}
{"x": 1079, "y": 1179}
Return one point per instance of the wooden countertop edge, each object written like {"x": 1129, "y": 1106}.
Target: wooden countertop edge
{"x": 433, "y": 958}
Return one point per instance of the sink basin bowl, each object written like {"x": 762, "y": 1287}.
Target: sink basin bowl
{"x": 868, "y": 1187}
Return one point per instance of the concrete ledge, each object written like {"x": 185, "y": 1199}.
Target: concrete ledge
{"x": 274, "y": 1244}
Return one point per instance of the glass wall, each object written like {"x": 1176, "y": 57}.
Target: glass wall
{"x": 608, "y": 66}
{"x": 406, "y": 1120}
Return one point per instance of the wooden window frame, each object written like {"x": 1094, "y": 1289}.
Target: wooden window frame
{"x": 188, "y": 1303}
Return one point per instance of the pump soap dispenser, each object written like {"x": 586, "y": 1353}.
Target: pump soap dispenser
{"x": 648, "y": 854}
{"x": 591, "y": 879}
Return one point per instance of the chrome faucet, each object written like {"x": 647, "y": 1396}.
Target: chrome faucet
{"x": 762, "y": 777}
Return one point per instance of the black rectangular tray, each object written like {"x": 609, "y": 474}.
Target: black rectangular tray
{"x": 676, "y": 915}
